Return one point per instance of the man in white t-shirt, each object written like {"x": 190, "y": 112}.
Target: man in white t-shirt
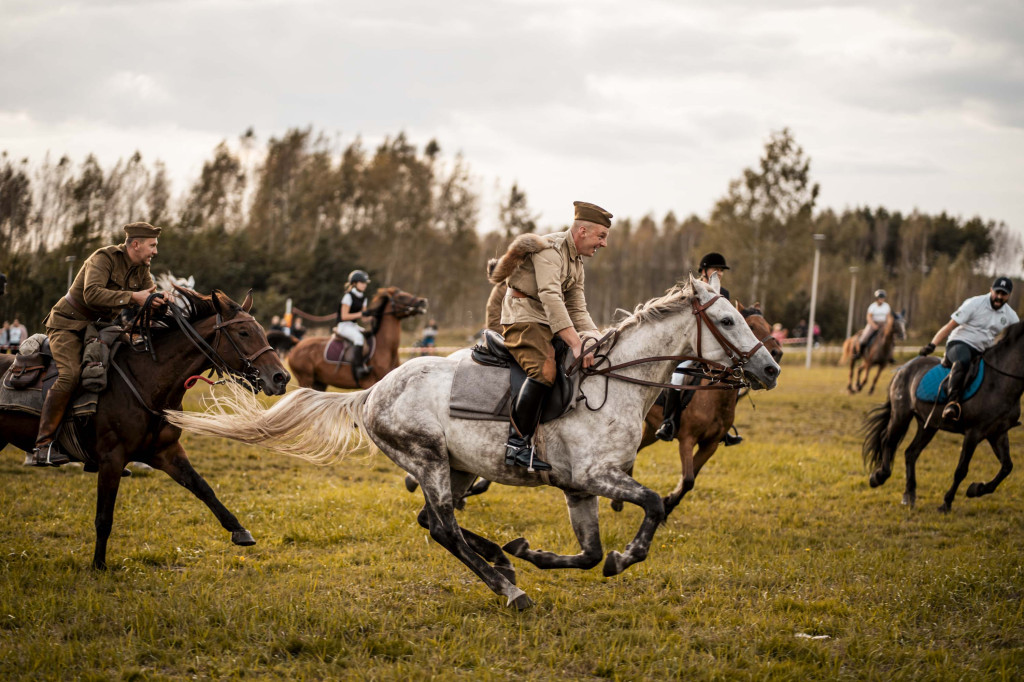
{"x": 878, "y": 315}
{"x": 972, "y": 330}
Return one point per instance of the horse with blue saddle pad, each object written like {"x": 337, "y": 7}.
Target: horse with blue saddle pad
{"x": 917, "y": 392}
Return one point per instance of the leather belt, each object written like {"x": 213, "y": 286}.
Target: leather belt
{"x": 518, "y": 294}
{"x": 84, "y": 310}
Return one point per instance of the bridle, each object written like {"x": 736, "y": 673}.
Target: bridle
{"x": 399, "y": 309}
{"x": 721, "y": 377}
{"x": 141, "y": 324}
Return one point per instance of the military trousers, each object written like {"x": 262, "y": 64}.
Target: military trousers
{"x": 530, "y": 344}
{"x": 66, "y": 348}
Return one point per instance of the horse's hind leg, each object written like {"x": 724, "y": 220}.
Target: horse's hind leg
{"x": 920, "y": 442}
{"x": 966, "y": 452}
{"x": 1001, "y": 446}
{"x": 108, "y": 481}
{"x": 583, "y": 516}
{"x": 487, "y": 549}
{"x": 877, "y": 375}
{"x": 697, "y": 461}
{"x": 175, "y": 463}
{"x": 444, "y": 529}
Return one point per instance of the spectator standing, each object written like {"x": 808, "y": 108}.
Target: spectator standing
{"x": 15, "y": 335}
{"x": 4, "y": 339}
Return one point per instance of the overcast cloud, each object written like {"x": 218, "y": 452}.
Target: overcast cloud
{"x": 640, "y": 106}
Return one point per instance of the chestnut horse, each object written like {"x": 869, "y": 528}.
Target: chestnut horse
{"x": 129, "y": 425}
{"x": 389, "y": 306}
{"x": 875, "y": 355}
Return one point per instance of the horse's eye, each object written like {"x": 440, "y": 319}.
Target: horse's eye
{"x": 727, "y": 322}
{"x": 244, "y": 335}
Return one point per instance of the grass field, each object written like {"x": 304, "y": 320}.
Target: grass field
{"x": 781, "y": 564}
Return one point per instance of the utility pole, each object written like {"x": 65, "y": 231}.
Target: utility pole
{"x": 818, "y": 239}
{"x": 853, "y": 293}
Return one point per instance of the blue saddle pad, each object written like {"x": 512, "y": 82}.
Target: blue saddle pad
{"x": 928, "y": 389}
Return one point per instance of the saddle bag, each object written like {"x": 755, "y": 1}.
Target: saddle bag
{"x": 25, "y": 371}
{"x": 96, "y": 357}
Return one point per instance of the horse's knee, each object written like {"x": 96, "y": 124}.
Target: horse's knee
{"x": 423, "y": 518}
{"x": 687, "y": 484}
{"x": 591, "y": 558}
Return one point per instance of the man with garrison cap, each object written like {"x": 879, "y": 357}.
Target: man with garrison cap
{"x": 109, "y": 280}
{"x": 544, "y": 274}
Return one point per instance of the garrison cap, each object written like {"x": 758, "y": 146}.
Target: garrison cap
{"x": 141, "y": 231}
{"x": 592, "y": 213}
{"x": 1003, "y": 284}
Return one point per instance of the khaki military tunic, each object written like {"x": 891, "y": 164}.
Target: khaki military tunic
{"x": 102, "y": 288}
{"x": 551, "y": 284}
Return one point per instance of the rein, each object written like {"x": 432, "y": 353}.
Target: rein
{"x": 721, "y": 376}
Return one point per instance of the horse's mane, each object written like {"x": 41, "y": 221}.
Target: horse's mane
{"x": 672, "y": 301}
{"x": 1010, "y": 335}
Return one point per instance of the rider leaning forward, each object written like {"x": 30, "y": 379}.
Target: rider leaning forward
{"x": 111, "y": 279}
{"x": 711, "y": 265}
{"x": 972, "y": 330}
{"x": 878, "y": 316}
{"x": 545, "y": 298}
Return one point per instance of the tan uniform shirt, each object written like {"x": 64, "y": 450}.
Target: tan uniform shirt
{"x": 103, "y": 286}
{"x": 494, "y": 303}
{"x": 552, "y": 280}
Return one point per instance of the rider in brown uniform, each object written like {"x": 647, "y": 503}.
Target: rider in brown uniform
{"x": 110, "y": 279}
{"x": 544, "y": 298}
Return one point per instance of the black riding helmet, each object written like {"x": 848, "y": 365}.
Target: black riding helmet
{"x": 358, "y": 276}
{"x": 713, "y": 260}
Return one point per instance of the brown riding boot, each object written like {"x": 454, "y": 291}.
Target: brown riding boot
{"x": 47, "y": 453}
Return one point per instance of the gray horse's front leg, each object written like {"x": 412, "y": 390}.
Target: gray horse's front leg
{"x": 583, "y": 516}
{"x": 616, "y": 484}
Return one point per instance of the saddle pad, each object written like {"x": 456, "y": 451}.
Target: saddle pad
{"x": 335, "y": 349}
{"x": 931, "y": 383}
{"x": 30, "y": 401}
{"x": 480, "y": 392}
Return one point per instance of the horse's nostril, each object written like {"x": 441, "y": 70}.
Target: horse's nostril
{"x": 771, "y": 371}
{"x": 280, "y": 378}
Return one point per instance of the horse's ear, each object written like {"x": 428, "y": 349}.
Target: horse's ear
{"x": 757, "y": 305}
{"x": 716, "y": 283}
{"x": 215, "y": 299}
{"x": 247, "y": 303}
{"x": 740, "y": 306}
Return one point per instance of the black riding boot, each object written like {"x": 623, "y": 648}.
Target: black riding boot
{"x": 525, "y": 416}
{"x": 46, "y": 452}
{"x": 957, "y": 379}
{"x": 360, "y": 371}
{"x": 675, "y": 402}
{"x": 730, "y": 439}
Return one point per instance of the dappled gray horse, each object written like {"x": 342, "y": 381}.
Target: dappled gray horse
{"x": 406, "y": 415}
{"x": 989, "y": 415}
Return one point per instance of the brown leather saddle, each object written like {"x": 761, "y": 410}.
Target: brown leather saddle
{"x": 340, "y": 351}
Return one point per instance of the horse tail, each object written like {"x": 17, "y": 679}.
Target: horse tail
{"x": 311, "y": 425}
{"x": 847, "y": 351}
{"x": 879, "y": 438}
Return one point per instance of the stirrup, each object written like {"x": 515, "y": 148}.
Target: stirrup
{"x": 54, "y": 457}
{"x": 514, "y": 456}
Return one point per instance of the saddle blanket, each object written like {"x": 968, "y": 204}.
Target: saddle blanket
{"x": 480, "y": 392}
{"x": 931, "y": 390}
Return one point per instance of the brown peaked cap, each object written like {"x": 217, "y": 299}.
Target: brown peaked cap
{"x": 141, "y": 231}
{"x": 592, "y": 213}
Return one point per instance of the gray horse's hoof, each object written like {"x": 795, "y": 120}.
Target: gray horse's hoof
{"x": 411, "y": 483}
{"x": 517, "y": 547}
{"x": 521, "y": 603}
{"x": 507, "y": 572}
{"x": 613, "y": 565}
{"x": 976, "y": 490}
{"x": 243, "y": 538}
{"x": 909, "y": 500}
{"x": 617, "y": 505}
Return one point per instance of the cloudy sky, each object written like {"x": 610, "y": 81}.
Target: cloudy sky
{"x": 640, "y": 106}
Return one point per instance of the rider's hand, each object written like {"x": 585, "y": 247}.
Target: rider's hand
{"x": 588, "y": 359}
{"x": 139, "y": 297}
{"x": 927, "y": 350}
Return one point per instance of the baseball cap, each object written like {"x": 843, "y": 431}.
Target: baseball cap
{"x": 1003, "y": 284}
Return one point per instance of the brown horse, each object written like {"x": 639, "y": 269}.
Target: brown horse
{"x": 706, "y": 420}
{"x": 389, "y": 306}
{"x": 876, "y": 355}
{"x": 129, "y": 425}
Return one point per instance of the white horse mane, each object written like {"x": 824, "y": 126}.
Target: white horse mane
{"x": 672, "y": 301}
{"x": 166, "y": 281}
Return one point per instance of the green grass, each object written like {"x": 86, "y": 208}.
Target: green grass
{"x": 780, "y": 537}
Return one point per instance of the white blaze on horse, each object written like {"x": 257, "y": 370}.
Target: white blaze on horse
{"x": 406, "y": 415}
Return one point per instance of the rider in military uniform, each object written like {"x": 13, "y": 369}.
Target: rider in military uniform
{"x": 676, "y": 401}
{"x": 545, "y": 298}
{"x": 110, "y": 279}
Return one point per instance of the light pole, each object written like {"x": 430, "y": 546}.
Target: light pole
{"x": 853, "y": 292}
{"x": 818, "y": 239}
{"x": 70, "y": 260}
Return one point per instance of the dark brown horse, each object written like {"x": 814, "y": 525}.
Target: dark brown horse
{"x": 875, "y": 355}
{"x": 129, "y": 425}
{"x": 389, "y": 306}
{"x": 706, "y": 420}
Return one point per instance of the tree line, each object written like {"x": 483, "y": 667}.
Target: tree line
{"x": 290, "y": 218}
